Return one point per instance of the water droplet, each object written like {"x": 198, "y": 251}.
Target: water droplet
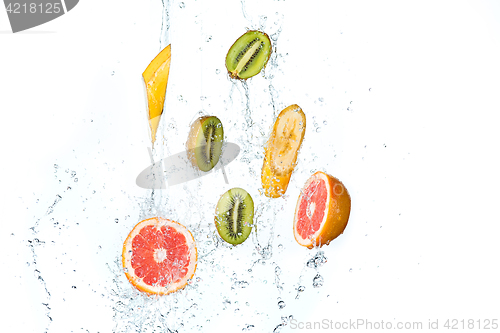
{"x": 281, "y": 304}
{"x": 318, "y": 281}
{"x": 209, "y": 38}
{"x": 182, "y": 5}
{"x": 112, "y": 73}
{"x": 73, "y": 174}
{"x": 324, "y": 122}
{"x": 318, "y": 129}
{"x": 76, "y": 180}
{"x": 318, "y": 260}
{"x": 217, "y": 71}
{"x": 116, "y": 220}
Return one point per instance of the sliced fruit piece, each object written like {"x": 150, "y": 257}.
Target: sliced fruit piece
{"x": 248, "y": 55}
{"x": 204, "y": 144}
{"x": 281, "y": 150}
{"x": 156, "y": 79}
{"x": 159, "y": 256}
{"x": 322, "y": 211}
{"x": 234, "y": 216}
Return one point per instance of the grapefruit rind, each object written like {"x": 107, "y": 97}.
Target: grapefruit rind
{"x": 336, "y": 214}
{"x": 138, "y": 282}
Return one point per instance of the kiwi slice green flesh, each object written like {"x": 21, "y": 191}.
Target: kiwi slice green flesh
{"x": 234, "y": 216}
{"x": 208, "y": 143}
{"x": 248, "y": 55}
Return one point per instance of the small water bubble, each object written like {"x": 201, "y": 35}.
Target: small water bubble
{"x": 281, "y": 304}
{"x": 248, "y": 327}
{"x": 209, "y": 38}
{"x": 318, "y": 281}
{"x": 318, "y": 129}
{"x": 182, "y": 5}
{"x": 73, "y": 174}
{"x": 217, "y": 71}
{"x": 300, "y": 289}
{"x": 350, "y": 270}
{"x": 112, "y": 73}
{"x": 76, "y": 180}
{"x": 116, "y": 220}
{"x": 325, "y": 122}
{"x": 321, "y": 99}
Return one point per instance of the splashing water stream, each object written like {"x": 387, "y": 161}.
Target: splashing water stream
{"x": 238, "y": 280}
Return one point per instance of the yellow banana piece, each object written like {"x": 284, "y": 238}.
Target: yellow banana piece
{"x": 156, "y": 78}
{"x": 282, "y": 149}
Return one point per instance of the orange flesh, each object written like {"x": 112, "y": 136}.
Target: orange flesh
{"x": 312, "y": 208}
{"x": 160, "y": 255}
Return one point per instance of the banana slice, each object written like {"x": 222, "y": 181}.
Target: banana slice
{"x": 282, "y": 149}
{"x": 156, "y": 79}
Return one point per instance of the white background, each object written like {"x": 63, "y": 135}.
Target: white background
{"x": 409, "y": 91}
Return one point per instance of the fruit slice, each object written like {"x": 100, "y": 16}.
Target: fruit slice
{"x": 281, "y": 150}
{"x": 204, "y": 143}
{"x": 159, "y": 256}
{"x": 248, "y": 55}
{"x": 156, "y": 79}
{"x": 322, "y": 211}
{"x": 234, "y": 216}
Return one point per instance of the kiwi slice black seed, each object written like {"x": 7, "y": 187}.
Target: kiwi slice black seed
{"x": 234, "y": 216}
{"x": 204, "y": 145}
{"x": 248, "y": 55}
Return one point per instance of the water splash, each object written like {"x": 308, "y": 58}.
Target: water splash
{"x": 317, "y": 260}
{"x": 318, "y": 281}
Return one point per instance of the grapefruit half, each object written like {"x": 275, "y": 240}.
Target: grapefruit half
{"x": 159, "y": 256}
{"x": 322, "y": 211}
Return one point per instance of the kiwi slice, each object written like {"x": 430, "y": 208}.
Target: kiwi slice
{"x": 248, "y": 55}
{"x": 204, "y": 143}
{"x": 234, "y": 216}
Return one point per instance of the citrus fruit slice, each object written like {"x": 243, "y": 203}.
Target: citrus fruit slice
{"x": 159, "y": 256}
{"x": 322, "y": 211}
{"x": 281, "y": 150}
